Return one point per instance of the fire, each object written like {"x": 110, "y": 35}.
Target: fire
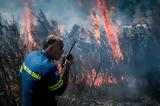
{"x": 27, "y": 25}
{"x": 110, "y": 78}
{"x": 111, "y": 31}
{"x": 94, "y": 78}
{"x": 95, "y": 23}
{"x": 97, "y": 79}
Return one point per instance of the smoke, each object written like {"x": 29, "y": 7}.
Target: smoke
{"x": 70, "y": 12}
{"x": 13, "y": 7}
{"x": 65, "y": 12}
{"x": 143, "y": 62}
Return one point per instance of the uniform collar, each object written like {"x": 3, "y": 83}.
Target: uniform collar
{"x": 45, "y": 53}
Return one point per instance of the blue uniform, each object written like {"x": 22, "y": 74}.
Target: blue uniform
{"x": 40, "y": 80}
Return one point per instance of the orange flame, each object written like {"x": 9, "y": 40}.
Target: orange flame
{"x": 95, "y": 23}
{"x": 111, "y": 31}
{"x": 97, "y": 79}
{"x": 110, "y": 78}
{"x": 27, "y": 25}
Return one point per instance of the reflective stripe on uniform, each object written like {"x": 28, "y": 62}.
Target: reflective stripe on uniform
{"x": 33, "y": 74}
{"x": 21, "y": 69}
{"x": 57, "y": 85}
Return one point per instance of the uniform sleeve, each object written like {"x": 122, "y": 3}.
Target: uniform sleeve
{"x": 54, "y": 82}
{"x": 20, "y": 72}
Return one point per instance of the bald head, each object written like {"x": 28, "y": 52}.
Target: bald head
{"x": 53, "y": 45}
{"x": 51, "y": 39}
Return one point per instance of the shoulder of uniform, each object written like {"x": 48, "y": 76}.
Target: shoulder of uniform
{"x": 50, "y": 65}
{"x": 31, "y": 54}
{"x": 49, "y": 68}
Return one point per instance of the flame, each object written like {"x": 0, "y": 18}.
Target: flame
{"x": 97, "y": 79}
{"x": 110, "y": 78}
{"x": 95, "y": 23}
{"x": 95, "y": 76}
{"x": 27, "y": 25}
{"x": 111, "y": 31}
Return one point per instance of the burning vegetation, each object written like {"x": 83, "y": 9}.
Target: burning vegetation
{"x": 111, "y": 30}
{"x": 109, "y": 61}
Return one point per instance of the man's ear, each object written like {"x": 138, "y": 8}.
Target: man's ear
{"x": 50, "y": 48}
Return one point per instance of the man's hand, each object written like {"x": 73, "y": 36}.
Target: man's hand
{"x": 68, "y": 61}
{"x": 69, "y": 57}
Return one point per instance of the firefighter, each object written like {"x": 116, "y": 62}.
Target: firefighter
{"x": 40, "y": 79}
